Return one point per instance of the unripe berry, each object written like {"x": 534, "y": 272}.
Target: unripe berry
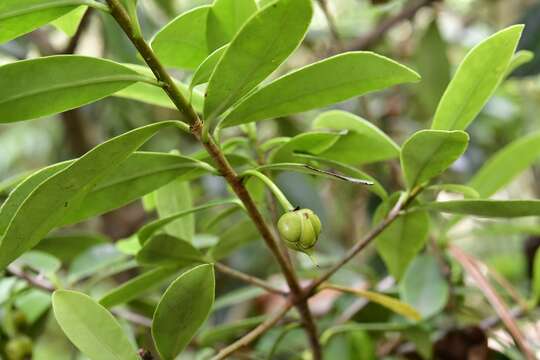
{"x": 19, "y": 348}
{"x": 300, "y": 229}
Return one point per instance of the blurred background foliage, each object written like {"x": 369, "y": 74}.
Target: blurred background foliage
{"x": 430, "y": 37}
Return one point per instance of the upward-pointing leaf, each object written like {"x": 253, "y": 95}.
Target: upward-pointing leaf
{"x": 428, "y": 153}
{"x": 506, "y": 164}
{"x": 182, "y": 42}
{"x": 262, "y": 44}
{"x": 326, "y": 82}
{"x": 63, "y": 192}
{"x": 182, "y": 310}
{"x": 49, "y": 85}
{"x": 365, "y": 143}
{"x": 225, "y": 19}
{"x": 92, "y": 329}
{"x": 18, "y": 17}
{"x": 476, "y": 79}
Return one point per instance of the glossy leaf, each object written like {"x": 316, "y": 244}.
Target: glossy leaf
{"x": 363, "y": 144}
{"x": 326, "y": 82}
{"x": 225, "y": 18}
{"x": 487, "y": 208}
{"x": 173, "y": 198}
{"x": 423, "y": 286}
{"x": 506, "y": 164}
{"x": 137, "y": 286}
{"x": 18, "y": 17}
{"x": 164, "y": 249}
{"x": 476, "y": 79}
{"x": 91, "y": 328}
{"x": 427, "y": 153}
{"x": 149, "y": 229}
{"x": 59, "y": 83}
{"x": 69, "y": 23}
{"x": 204, "y": 71}
{"x": 63, "y": 192}
{"x": 312, "y": 143}
{"x": 182, "y": 42}
{"x": 401, "y": 241}
{"x": 184, "y": 307}
{"x": 262, "y": 44}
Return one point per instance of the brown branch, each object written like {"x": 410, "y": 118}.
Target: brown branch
{"x": 368, "y": 41}
{"x": 471, "y": 267}
{"x": 249, "y": 279}
{"x": 222, "y": 164}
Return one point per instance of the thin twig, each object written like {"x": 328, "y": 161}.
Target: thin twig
{"x": 368, "y": 41}
{"x": 331, "y": 24}
{"x": 249, "y": 279}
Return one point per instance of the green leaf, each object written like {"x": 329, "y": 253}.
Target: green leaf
{"x": 95, "y": 259}
{"x": 423, "y": 286}
{"x": 262, "y": 44}
{"x": 63, "y": 192}
{"x": 33, "y": 303}
{"x": 536, "y": 278}
{"x": 312, "y": 143}
{"x": 487, "y": 208}
{"x": 206, "y": 68}
{"x": 401, "y": 241}
{"x": 182, "y": 42}
{"x": 68, "y": 246}
{"x": 467, "y": 191}
{"x": 506, "y": 164}
{"x": 427, "y": 153}
{"x": 18, "y": 17}
{"x": 164, "y": 249}
{"x": 310, "y": 170}
{"x": 233, "y": 238}
{"x": 40, "y": 262}
{"x": 69, "y": 23}
{"x": 225, "y": 18}
{"x": 364, "y": 144}
{"x": 91, "y": 328}
{"x": 173, "y": 198}
{"x": 184, "y": 307}
{"x": 520, "y": 58}
{"x": 149, "y": 229}
{"x": 476, "y": 79}
{"x": 137, "y": 286}
{"x": 326, "y": 82}
{"x": 228, "y": 332}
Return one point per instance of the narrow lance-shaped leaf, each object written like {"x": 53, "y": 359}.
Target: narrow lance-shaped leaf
{"x": 204, "y": 71}
{"x": 60, "y": 194}
{"x": 427, "y": 153}
{"x": 49, "y": 85}
{"x": 182, "y": 42}
{"x": 313, "y": 143}
{"x": 326, "y": 82}
{"x": 18, "y": 17}
{"x": 171, "y": 199}
{"x": 184, "y": 307}
{"x": 365, "y": 143}
{"x": 262, "y": 44}
{"x": 476, "y": 79}
{"x": 506, "y": 164}
{"x": 70, "y": 22}
{"x": 225, "y": 18}
{"x": 92, "y": 329}
{"x": 487, "y": 208}
{"x": 164, "y": 249}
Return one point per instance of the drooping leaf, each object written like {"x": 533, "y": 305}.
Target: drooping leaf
{"x": 184, "y": 307}
{"x": 487, "y": 208}
{"x": 262, "y": 44}
{"x": 363, "y": 144}
{"x": 312, "y": 143}
{"x": 164, "y": 249}
{"x": 173, "y": 198}
{"x": 63, "y": 192}
{"x": 476, "y": 79}
{"x": 427, "y": 153}
{"x": 59, "y": 83}
{"x": 225, "y": 18}
{"x": 149, "y": 229}
{"x": 91, "y": 328}
{"x": 69, "y": 23}
{"x": 401, "y": 241}
{"x": 18, "y": 17}
{"x": 204, "y": 71}
{"x": 326, "y": 82}
{"x": 423, "y": 286}
{"x": 137, "y": 286}
{"x": 506, "y": 164}
{"x": 182, "y": 42}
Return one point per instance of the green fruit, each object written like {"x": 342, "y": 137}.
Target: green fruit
{"x": 19, "y": 348}
{"x": 300, "y": 229}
